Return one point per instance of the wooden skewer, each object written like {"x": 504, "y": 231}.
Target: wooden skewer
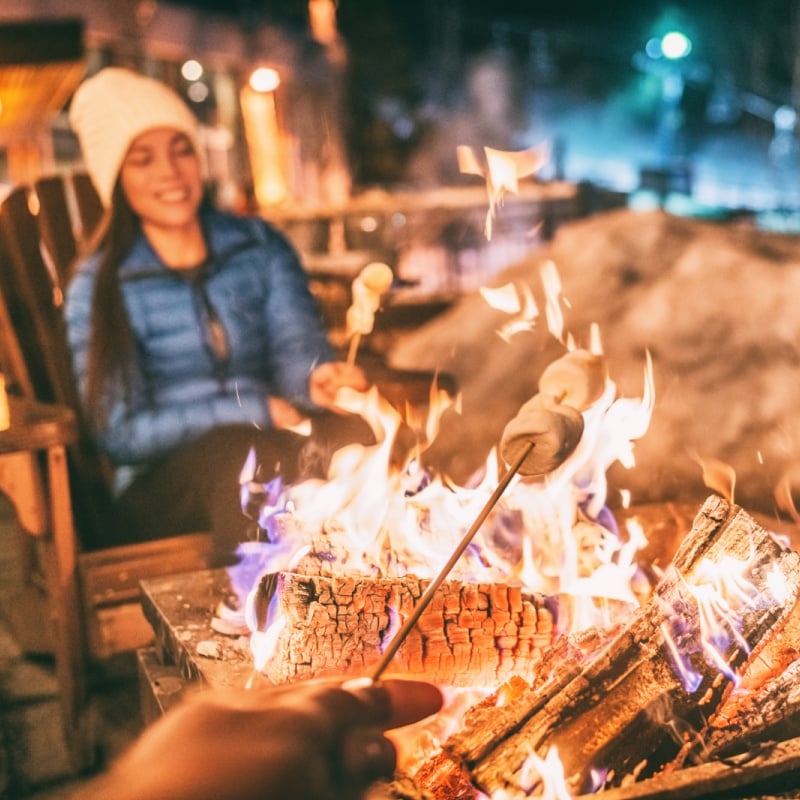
{"x": 351, "y": 353}
{"x": 426, "y": 598}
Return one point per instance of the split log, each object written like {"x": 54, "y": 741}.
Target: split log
{"x": 764, "y": 706}
{"x": 770, "y": 713}
{"x": 628, "y": 710}
{"x": 504, "y": 710}
{"x": 319, "y": 637}
{"x": 747, "y": 776}
{"x": 471, "y": 634}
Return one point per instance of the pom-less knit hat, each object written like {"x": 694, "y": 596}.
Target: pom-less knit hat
{"x": 111, "y": 108}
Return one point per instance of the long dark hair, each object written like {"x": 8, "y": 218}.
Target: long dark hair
{"x": 112, "y": 349}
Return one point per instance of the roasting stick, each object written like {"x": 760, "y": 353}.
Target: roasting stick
{"x": 426, "y": 598}
{"x": 353, "y": 349}
{"x": 543, "y": 434}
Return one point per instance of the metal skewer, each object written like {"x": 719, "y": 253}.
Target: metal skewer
{"x": 426, "y": 598}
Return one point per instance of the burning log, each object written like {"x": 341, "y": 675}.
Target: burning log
{"x": 458, "y": 634}
{"x": 742, "y": 777}
{"x": 629, "y": 710}
{"x": 765, "y": 705}
{"x": 471, "y": 634}
{"x": 504, "y": 710}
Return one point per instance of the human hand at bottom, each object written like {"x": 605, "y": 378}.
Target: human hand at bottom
{"x": 317, "y": 740}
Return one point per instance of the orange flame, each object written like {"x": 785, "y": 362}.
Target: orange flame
{"x": 552, "y": 288}
{"x": 545, "y": 775}
{"x": 717, "y": 476}
{"x": 553, "y": 535}
{"x": 502, "y": 171}
{"x": 784, "y": 492}
{"x": 570, "y": 547}
{"x": 516, "y": 300}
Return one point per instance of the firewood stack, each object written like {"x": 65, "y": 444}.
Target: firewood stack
{"x": 625, "y": 713}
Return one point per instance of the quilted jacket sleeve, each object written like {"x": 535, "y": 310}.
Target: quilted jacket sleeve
{"x": 298, "y": 339}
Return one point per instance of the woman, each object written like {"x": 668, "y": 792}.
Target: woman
{"x": 193, "y": 333}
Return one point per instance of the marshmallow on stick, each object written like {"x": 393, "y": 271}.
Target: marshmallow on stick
{"x": 549, "y": 426}
{"x": 369, "y": 287}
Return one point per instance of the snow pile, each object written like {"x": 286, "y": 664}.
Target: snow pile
{"x": 715, "y": 304}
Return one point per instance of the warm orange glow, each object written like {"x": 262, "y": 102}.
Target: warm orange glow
{"x": 265, "y": 144}
{"x": 545, "y": 775}
{"x": 264, "y": 79}
{"x": 717, "y": 476}
{"x": 551, "y": 281}
{"x": 502, "y": 172}
{"x": 4, "y": 413}
{"x": 322, "y": 20}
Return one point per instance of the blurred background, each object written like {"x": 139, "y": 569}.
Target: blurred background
{"x": 697, "y": 97}
{"x": 340, "y": 121}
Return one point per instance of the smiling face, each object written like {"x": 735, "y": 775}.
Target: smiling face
{"x": 162, "y": 179}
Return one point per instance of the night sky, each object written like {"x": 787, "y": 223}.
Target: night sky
{"x": 408, "y": 55}
{"x": 723, "y": 32}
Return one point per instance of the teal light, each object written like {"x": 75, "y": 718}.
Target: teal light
{"x": 675, "y": 45}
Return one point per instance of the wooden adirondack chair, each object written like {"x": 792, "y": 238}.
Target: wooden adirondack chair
{"x": 57, "y": 483}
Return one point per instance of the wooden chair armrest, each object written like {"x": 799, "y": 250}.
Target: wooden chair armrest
{"x": 37, "y": 426}
{"x": 32, "y": 427}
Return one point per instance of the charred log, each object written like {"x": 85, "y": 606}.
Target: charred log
{"x": 772, "y": 712}
{"x": 472, "y": 634}
{"x": 764, "y": 706}
{"x": 746, "y": 776}
{"x": 629, "y": 711}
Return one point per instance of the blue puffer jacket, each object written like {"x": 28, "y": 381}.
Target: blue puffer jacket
{"x": 255, "y": 286}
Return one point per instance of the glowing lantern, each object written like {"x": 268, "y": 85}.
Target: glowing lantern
{"x": 264, "y": 138}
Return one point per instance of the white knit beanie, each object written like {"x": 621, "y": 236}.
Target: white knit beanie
{"x": 110, "y": 109}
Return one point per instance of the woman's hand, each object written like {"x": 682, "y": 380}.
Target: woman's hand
{"x": 327, "y": 379}
{"x": 285, "y": 416}
{"x": 307, "y": 741}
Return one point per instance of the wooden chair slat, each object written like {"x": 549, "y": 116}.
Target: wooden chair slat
{"x": 55, "y": 223}
{"x": 90, "y": 209}
{"x": 33, "y": 298}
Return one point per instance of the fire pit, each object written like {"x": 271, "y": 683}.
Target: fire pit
{"x": 662, "y": 692}
{"x": 181, "y": 609}
{"x": 590, "y": 655}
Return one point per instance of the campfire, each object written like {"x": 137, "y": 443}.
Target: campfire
{"x": 571, "y": 665}
{"x": 555, "y": 649}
